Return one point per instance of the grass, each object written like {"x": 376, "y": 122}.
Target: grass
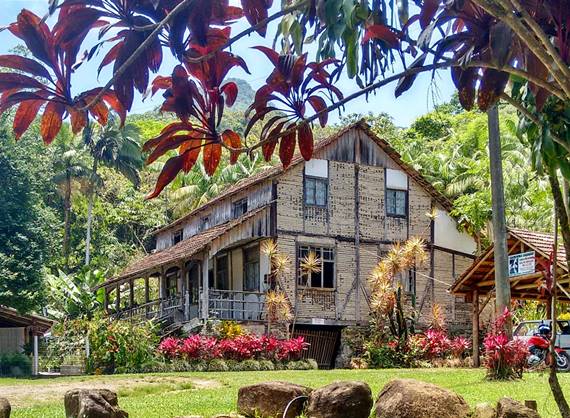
{"x": 207, "y": 394}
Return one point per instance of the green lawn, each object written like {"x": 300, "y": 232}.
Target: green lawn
{"x": 171, "y": 395}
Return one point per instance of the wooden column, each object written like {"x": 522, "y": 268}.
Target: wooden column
{"x": 132, "y": 293}
{"x": 118, "y": 298}
{"x": 146, "y": 290}
{"x": 106, "y": 300}
{"x": 475, "y": 305}
{"x": 205, "y": 285}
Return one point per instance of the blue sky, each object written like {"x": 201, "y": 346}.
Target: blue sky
{"x": 404, "y": 110}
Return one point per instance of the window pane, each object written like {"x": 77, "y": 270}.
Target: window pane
{"x": 328, "y": 274}
{"x": 321, "y": 193}
{"x": 316, "y": 279}
{"x": 400, "y": 202}
{"x": 310, "y": 191}
{"x": 390, "y": 202}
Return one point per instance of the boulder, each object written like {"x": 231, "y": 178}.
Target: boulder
{"x": 339, "y": 400}
{"x": 269, "y": 399}
{"x": 5, "y": 408}
{"x": 409, "y": 398}
{"x": 509, "y": 408}
{"x": 92, "y": 403}
{"x": 484, "y": 410}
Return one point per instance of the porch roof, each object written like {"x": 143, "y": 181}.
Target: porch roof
{"x": 12, "y": 318}
{"x": 179, "y": 252}
{"x": 480, "y": 276}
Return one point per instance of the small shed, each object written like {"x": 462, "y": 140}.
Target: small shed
{"x": 17, "y": 330}
{"x": 530, "y": 263}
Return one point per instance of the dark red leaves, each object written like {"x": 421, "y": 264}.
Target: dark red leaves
{"x": 383, "y": 33}
{"x": 231, "y": 91}
{"x": 172, "y": 167}
{"x": 428, "y": 11}
{"x": 492, "y": 85}
{"x": 287, "y": 148}
{"x": 211, "y": 156}
{"x": 465, "y": 79}
{"x": 305, "y": 138}
{"x": 256, "y": 11}
{"x": 36, "y": 35}
{"x": 51, "y": 121}
{"x": 25, "y": 115}
{"x": 13, "y": 81}
{"x": 233, "y": 141}
{"x": 26, "y": 65}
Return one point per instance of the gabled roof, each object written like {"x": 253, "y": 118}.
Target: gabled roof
{"x": 298, "y": 159}
{"x": 480, "y": 275}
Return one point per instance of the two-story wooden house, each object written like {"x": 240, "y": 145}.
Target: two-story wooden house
{"x": 349, "y": 204}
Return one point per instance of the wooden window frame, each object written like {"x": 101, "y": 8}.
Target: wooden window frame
{"x": 174, "y": 234}
{"x": 321, "y": 249}
{"x": 240, "y": 204}
{"x": 406, "y": 204}
{"x": 324, "y": 180}
{"x": 255, "y": 248}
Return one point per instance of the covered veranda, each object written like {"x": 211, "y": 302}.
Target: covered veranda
{"x": 530, "y": 264}
{"x": 217, "y": 273}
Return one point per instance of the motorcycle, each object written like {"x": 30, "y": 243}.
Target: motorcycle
{"x": 539, "y": 347}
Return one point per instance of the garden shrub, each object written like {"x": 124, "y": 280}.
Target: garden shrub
{"x": 251, "y": 365}
{"x": 218, "y": 365}
{"x": 504, "y": 359}
{"x": 266, "y": 365}
{"x": 15, "y": 364}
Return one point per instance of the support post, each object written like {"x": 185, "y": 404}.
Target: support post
{"x": 502, "y": 283}
{"x": 131, "y": 295}
{"x": 106, "y": 300}
{"x": 476, "y": 359}
{"x": 118, "y": 298}
{"x": 36, "y": 368}
{"x": 205, "y": 285}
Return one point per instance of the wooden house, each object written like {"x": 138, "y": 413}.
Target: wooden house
{"x": 349, "y": 204}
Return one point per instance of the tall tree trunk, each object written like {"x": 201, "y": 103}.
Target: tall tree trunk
{"x": 561, "y": 213}
{"x": 67, "y": 220}
{"x": 502, "y": 283}
{"x": 90, "y": 214}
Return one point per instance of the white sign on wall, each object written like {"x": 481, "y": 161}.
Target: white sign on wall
{"x": 523, "y": 263}
{"x": 317, "y": 321}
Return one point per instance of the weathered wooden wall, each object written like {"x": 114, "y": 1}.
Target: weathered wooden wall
{"x": 336, "y": 227}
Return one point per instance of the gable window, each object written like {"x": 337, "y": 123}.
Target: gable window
{"x": 397, "y": 203}
{"x": 239, "y": 208}
{"x": 204, "y": 223}
{"x": 251, "y": 269}
{"x": 316, "y": 191}
{"x": 324, "y": 279}
{"x": 177, "y": 236}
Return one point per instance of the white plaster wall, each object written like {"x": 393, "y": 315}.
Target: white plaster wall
{"x": 317, "y": 168}
{"x": 446, "y": 234}
{"x": 396, "y": 179}
{"x": 264, "y": 267}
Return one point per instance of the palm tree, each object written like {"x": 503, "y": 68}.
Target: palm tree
{"x": 117, "y": 148}
{"x": 70, "y": 168}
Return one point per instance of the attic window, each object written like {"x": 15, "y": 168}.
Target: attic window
{"x": 177, "y": 236}
{"x": 239, "y": 208}
{"x": 316, "y": 190}
{"x": 204, "y": 223}
{"x": 396, "y": 203}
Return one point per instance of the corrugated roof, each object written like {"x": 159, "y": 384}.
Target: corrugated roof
{"x": 184, "y": 249}
{"x": 277, "y": 170}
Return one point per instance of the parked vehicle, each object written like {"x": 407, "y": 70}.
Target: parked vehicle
{"x": 527, "y": 329}
{"x": 539, "y": 346}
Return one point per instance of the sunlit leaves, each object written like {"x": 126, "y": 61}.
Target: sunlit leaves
{"x": 282, "y": 103}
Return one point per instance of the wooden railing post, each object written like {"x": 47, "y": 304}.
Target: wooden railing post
{"x": 205, "y": 285}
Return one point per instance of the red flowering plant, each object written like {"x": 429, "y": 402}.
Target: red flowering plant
{"x": 504, "y": 358}
{"x": 169, "y": 347}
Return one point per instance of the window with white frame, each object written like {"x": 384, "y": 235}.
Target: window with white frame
{"x": 397, "y": 203}
{"x": 325, "y": 278}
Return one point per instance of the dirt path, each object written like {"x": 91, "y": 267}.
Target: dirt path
{"x": 53, "y": 390}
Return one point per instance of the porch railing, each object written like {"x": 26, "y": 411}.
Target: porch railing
{"x": 222, "y": 304}
{"x": 236, "y": 305}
